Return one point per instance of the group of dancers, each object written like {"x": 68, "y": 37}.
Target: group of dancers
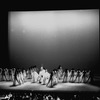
{"x": 42, "y": 76}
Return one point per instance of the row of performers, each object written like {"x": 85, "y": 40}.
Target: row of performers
{"x": 19, "y": 76}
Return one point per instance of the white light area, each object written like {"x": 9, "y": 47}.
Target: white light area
{"x": 77, "y": 20}
{"x": 51, "y": 21}
{"x": 38, "y": 21}
{"x": 14, "y": 23}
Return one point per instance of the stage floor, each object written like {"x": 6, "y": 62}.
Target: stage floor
{"x": 59, "y": 87}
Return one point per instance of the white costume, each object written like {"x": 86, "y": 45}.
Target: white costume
{"x": 69, "y": 74}
{"x": 24, "y": 76}
{"x": 20, "y": 77}
{"x": 41, "y": 76}
{"x": 87, "y": 76}
{"x": 75, "y": 74}
{"x": 46, "y": 77}
{"x": 55, "y": 79}
{"x": 81, "y": 75}
{"x": 34, "y": 76}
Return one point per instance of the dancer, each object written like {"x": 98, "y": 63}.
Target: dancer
{"x": 41, "y": 75}
{"x": 69, "y": 75}
{"x": 29, "y": 72}
{"x": 78, "y": 76}
{"x": 65, "y": 79}
{"x": 10, "y": 74}
{"x": 21, "y": 77}
{"x": 46, "y": 77}
{"x": 3, "y": 75}
{"x": 84, "y": 76}
{"x": 18, "y": 77}
{"x": 34, "y": 75}
{"x": 89, "y": 76}
{"x": 15, "y": 77}
{"x": 6, "y": 74}
{"x": 50, "y": 82}
{"x": 55, "y": 78}
{"x": 60, "y": 73}
{"x": 72, "y": 75}
{"x": 24, "y": 75}
{"x": 75, "y": 75}
{"x": 81, "y": 75}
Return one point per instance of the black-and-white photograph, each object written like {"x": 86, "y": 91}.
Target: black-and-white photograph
{"x": 52, "y": 55}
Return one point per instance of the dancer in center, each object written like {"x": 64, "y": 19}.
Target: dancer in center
{"x": 41, "y": 75}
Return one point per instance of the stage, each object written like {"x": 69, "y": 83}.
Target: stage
{"x": 80, "y": 87}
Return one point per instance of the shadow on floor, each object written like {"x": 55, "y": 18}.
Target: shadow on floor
{"x": 14, "y": 85}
